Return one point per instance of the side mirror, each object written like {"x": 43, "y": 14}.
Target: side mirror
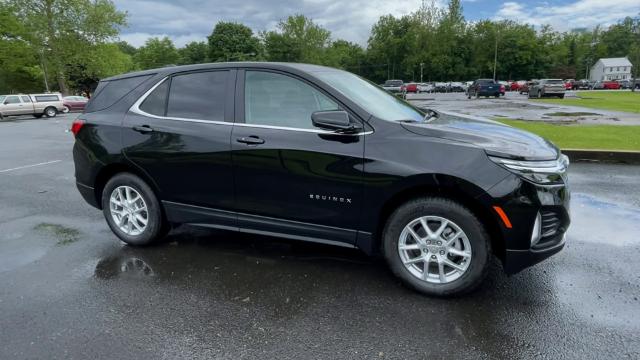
{"x": 337, "y": 120}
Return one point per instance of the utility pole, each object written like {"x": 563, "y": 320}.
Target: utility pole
{"x": 421, "y": 66}
{"x": 495, "y": 57}
{"x": 44, "y": 70}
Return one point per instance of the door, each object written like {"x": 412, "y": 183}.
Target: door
{"x": 180, "y": 136}
{"x": 12, "y": 105}
{"x": 292, "y": 178}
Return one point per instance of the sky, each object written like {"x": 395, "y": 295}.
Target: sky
{"x": 192, "y": 20}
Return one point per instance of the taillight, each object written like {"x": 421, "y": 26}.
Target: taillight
{"x": 76, "y": 126}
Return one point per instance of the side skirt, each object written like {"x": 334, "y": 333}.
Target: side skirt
{"x": 260, "y": 225}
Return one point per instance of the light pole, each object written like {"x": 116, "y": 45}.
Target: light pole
{"x": 421, "y": 66}
{"x": 495, "y": 57}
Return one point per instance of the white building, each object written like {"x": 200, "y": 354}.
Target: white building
{"x": 611, "y": 69}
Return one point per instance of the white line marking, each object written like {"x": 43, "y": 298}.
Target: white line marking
{"x": 29, "y": 166}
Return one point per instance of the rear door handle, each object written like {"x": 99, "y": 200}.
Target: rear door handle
{"x": 250, "y": 140}
{"x": 143, "y": 129}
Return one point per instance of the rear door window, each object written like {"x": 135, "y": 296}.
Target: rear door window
{"x": 199, "y": 96}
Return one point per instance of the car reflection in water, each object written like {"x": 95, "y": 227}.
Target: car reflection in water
{"x": 124, "y": 265}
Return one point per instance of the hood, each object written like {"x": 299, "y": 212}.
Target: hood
{"x": 495, "y": 138}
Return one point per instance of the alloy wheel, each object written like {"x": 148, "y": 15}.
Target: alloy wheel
{"x": 128, "y": 210}
{"x": 434, "y": 249}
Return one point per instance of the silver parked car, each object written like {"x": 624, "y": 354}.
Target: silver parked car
{"x": 547, "y": 87}
{"x": 33, "y": 104}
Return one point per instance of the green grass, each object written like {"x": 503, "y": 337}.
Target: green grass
{"x": 596, "y": 137}
{"x": 608, "y": 100}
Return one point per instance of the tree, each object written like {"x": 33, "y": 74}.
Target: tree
{"x": 156, "y": 53}
{"x": 195, "y": 52}
{"x": 19, "y": 62}
{"x": 63, "y": 30}
{"x": 126, "y": 48}
{"x": 297, "y": 39}
{"x": 231, "y": 41}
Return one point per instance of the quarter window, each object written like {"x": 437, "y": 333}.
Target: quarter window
{"x": 198, "y": 96}
{"x": 280, "y": 100}
{"x": 25, "y": 99}
{"x": 155, "y": 103}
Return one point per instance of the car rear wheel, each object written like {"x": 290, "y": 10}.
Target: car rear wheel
{"x": 50, "y": 112}
{"x": 132, "y": 210}
{"x": 65, "y": 109}
{"x": 437, "y": 246}
{"x": 561, "y": 96}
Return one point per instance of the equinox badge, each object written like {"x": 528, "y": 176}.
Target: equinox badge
{"x": 330, "y": 198}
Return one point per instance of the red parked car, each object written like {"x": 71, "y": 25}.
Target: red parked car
{"x": 74, "y": 103}
{"x": 568, "y": 84}
{"x": 411, "y": 88}
{"x": 611, "y": 85}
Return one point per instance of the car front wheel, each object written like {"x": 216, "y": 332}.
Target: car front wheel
{"x": 132, "y": 210}
{"x": 437, "y": 246}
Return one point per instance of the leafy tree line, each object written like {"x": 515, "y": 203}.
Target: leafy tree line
{"x": 68, "y": 45}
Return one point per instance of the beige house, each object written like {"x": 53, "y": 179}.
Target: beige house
{"x": 611, "y": 69}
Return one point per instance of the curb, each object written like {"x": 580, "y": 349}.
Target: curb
{"x": 611, "y": 156}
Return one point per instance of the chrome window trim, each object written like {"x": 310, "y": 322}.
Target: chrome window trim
{"x": 135, "y": 108}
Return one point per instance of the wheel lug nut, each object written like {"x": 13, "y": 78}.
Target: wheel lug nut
{"x": 428, "y": 242}
{"x": 433, "y": 257}
{"x": 439, "y": 242}
{"x": 441, "y": 252}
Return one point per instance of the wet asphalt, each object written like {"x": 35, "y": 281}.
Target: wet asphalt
{"x": 70, "y": 290}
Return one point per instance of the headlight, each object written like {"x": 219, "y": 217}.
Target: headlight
{"x": 539, "y": 172}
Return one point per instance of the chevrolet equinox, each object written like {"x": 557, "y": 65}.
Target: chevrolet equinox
{"x": 312, "y": 153}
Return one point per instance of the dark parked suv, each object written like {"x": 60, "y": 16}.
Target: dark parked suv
{"x": 316, "y": 154}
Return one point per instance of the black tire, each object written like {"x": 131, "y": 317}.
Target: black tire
{"x": 453, "y": 211}
{"x": 50, "y": 112}
{"x": 561, "y": 96}
{"x": 156, "y": 226}
{"x": 37, "y": 115}
{"x": 497, "y": 96}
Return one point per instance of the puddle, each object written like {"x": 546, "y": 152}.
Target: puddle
{"x": 602, "y": 222}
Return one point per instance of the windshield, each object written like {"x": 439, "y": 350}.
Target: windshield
{"x": 2, "y": 98}
{"x": 370, "y": 97}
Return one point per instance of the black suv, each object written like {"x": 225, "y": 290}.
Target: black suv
{"x": 317, "y": 154}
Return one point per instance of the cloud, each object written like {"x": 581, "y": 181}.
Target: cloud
{"x": 186, "y": 20}
{"x": 578, "y": 14}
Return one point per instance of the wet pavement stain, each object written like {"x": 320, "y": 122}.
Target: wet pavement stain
{"x": 64, "y": 235}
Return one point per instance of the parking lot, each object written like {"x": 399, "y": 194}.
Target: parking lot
{"x": 69, "y": 289}
{"x": 516, "y": 106}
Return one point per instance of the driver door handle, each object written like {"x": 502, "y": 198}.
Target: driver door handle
{"x": 250, "y": 140}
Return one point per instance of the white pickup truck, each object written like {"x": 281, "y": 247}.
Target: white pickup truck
{"x": 33, "y": 104}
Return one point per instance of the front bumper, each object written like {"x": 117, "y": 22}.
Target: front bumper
{"x": 523, "y": 201}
